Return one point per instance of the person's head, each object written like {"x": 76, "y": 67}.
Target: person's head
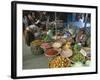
{"x": 44, "y": 13}
{"x": 29, "y": 16}
{"x": 25, "y": 16}
{"x": 78, "y": 17}
{"x": 33, "y": 14}
{"x": 82, "y": 31}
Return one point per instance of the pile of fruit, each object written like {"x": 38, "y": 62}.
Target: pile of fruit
{"x": 71, "y": 56}
{"x": 59, "y": 62}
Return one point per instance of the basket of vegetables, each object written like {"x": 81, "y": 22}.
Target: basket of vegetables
{"x": 35, "y": 47}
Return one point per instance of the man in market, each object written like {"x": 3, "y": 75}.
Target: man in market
{"x": 79, "y": 23}
{"x": 30, "y": 33}
{"x": 31, "y": 29}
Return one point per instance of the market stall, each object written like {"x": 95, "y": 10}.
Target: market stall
{"x": 63, "y": 45}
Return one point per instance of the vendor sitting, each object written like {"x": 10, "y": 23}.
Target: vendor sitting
{"x": 81, "y": 37}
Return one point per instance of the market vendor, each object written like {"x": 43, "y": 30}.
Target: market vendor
{"x": 81, "y": 37}
{"x": 30, "y": 33}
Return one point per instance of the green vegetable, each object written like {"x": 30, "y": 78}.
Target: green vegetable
{"x": 77, "y": 47}
{"x": 77, "y": 64}
{"x": 47, "y": 38}
{"x": 78, "y": 57}
{"x": 87, "y": 63}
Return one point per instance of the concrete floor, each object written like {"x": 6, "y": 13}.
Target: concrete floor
{"x": 31, "y": 61}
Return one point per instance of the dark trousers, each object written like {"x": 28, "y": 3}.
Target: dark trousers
{"x": 29, "y": 37}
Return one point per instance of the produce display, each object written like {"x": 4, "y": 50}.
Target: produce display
{"x": 77, "y": 64}
{"x": 87, "y": 63}
{"x": 78, "y": 57}
{"x": 60, "y": 39}
{"x": 57, "y": 45}
{"x": 36, "y": 50}
{"x": 67, "y": 46}
{"x": 45, "y": 46}
{"x": 35, "y": 47}
{"x": 65, "y": 50}
{"x": 67, "y": 53}
{"x": 37, "y": 42}
{"x": 59, "y": 62}
{"x": 51, "y": 52}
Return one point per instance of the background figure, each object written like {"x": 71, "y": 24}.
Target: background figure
{"x": 43, "y": 20}
{"x": 30, "y": 19}
{"x": 30, "y": 33}
{"x": 81, "y": 37}
{"x": 79, "y": 23}
{"x": 25, "y": 23}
